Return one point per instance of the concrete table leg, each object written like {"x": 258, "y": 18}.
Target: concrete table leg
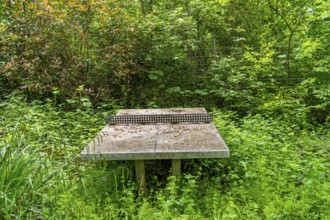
{"x": 176, "y": 168}
{"x": 140, "y": 176}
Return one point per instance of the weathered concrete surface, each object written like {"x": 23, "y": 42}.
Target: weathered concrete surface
{"x": 162, "y": 111}
{"x": 157, "y": 141}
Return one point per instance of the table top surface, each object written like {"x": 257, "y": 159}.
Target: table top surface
{"x": 159, "y": 140}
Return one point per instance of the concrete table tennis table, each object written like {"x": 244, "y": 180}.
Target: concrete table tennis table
{"x": 139, "y": 140}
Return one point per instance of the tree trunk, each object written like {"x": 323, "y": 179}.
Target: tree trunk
{"x": 288, "y": 55}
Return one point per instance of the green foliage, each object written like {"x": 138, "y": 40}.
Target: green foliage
{"x": 25, "y": 173}
{"x": 278, "y": 169}
{"x": 264, "y": 63}
{"x": 273, "y": 166}
{"x": 50, "y": 44}
{"x": 36, "y": 155}
{"x": 135, "y": 53}
{"x": 306, "y": 104}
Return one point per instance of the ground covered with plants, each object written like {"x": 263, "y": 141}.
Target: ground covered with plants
{"x": 260, "y": 67}
{"x": 279, "y": 169}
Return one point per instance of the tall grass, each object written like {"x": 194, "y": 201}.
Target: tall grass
{"x": 40, "y": 168}
{"x": 24, "y": 172}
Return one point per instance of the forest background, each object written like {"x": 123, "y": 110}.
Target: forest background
{"x": 260, "y": 67}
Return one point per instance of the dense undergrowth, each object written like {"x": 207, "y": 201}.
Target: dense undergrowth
{"x": 279, "y": 168}
{"x": 261, "y": 67}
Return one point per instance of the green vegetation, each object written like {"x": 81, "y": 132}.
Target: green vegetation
{"x": 261, "y": 67}
{"x": 278, "y": 169}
